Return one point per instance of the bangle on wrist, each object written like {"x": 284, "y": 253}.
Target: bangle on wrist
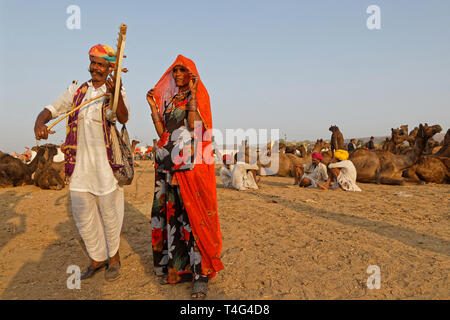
{"x": 192, "y": 106}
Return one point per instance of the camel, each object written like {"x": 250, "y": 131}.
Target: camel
{"x": 337, "y": 139}
{"x": 378, "y": 166}
{"x": 445, "y": 149}
{"x": 5, "y": 181}
{"x": 429, "y": 169}
{"x": 433, "y": 168}
{"x": 412, "y": 136}
{"x": 398, "y": 136}
{"x": 16, "y": 173}
{"x": 52, "y": 151}
{"x": 286, "y": 161}
{"x": 432, "y": 147}
{"x": 46, "y": 176}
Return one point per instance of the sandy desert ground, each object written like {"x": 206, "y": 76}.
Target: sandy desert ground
{"x": 279, "y": 242}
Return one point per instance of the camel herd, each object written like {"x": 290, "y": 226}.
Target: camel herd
{"x": 422, "y": 160}
{"x": 42, "y": 171}
{"x": 413, "y": 157}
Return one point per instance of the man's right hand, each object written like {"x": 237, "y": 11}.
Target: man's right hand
{"x": 41, "y": 132}
{"x": 40, "y": 129}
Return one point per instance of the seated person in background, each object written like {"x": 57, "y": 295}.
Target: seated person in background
{"x": 311, "y": 174}
{"x": 351, "y": 145}
{"x": 243, "y": 175}
{"x": 343, "y": 173}
{"x": 225, "y": 171}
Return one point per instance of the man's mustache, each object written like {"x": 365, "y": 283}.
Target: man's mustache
{"x": 95, "y": 71}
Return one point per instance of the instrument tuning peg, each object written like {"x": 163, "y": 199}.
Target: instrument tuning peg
{"x": 124, "y": 56}
{"x": 124, "y": 70}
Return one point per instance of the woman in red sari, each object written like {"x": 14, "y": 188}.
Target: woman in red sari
{"x": 186, "y": 235}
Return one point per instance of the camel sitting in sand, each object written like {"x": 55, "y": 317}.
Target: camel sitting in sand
{"x": 433, "y": 168}
{"x": 445, "y": 149}
{"x": 16, "y": 173}
{"x": 284, "y": 164}
{"x": 51, "y": 152}
{"x": 384, "y": 167}
{"x": 46, "y": 176}
{"x": 398, "y": 136}
{"x": 5, "y": 181}
{"x": 337, "y": 139}
{"x": 432, "y": 147}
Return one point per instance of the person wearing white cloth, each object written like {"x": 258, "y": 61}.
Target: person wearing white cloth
{"x": 97, "y": 199}
{"x": 242, "y": 177}
{"x": 311, "y": 174}
{"x": 343, "y": 173}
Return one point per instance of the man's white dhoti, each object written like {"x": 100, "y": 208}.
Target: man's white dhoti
{"x": 99, "y": 221}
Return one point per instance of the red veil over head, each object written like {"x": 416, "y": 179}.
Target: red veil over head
{"x": 166, "y": 89}
{"x": 197, "y": 186}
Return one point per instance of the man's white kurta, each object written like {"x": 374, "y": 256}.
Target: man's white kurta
{"x": 242, "y": 179}
{"x": 92, "y": 171}
{"x": 347, "y": 177}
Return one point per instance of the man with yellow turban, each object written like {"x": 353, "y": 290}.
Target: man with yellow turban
{"x": 343, "y": 173}
{"x": 96, "y": 196}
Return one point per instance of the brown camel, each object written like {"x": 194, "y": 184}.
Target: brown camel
{"x": 16, "y": 173}
{"x": 47, "y": 177}
{"x": 51, "y": 150}
{"x": 5, "y": 181}
{"x": 395, "y": 143}
{"x": 337, "y": 139}
{"x": 429, "y": 169}
{"x": 384, "y": 167}
{"x": 433, "y": 168}
{"x": 445, "y": 149}
{"x": 412, "y": 136}
{"x": 286, "y": 161}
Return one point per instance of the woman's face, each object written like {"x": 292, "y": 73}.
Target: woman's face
{"x": 181, "y": 76}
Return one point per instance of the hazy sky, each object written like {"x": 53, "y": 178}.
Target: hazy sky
{"x": 299, "y": 66}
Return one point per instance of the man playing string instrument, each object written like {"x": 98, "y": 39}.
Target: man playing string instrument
{"x": 97, "y": 198}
